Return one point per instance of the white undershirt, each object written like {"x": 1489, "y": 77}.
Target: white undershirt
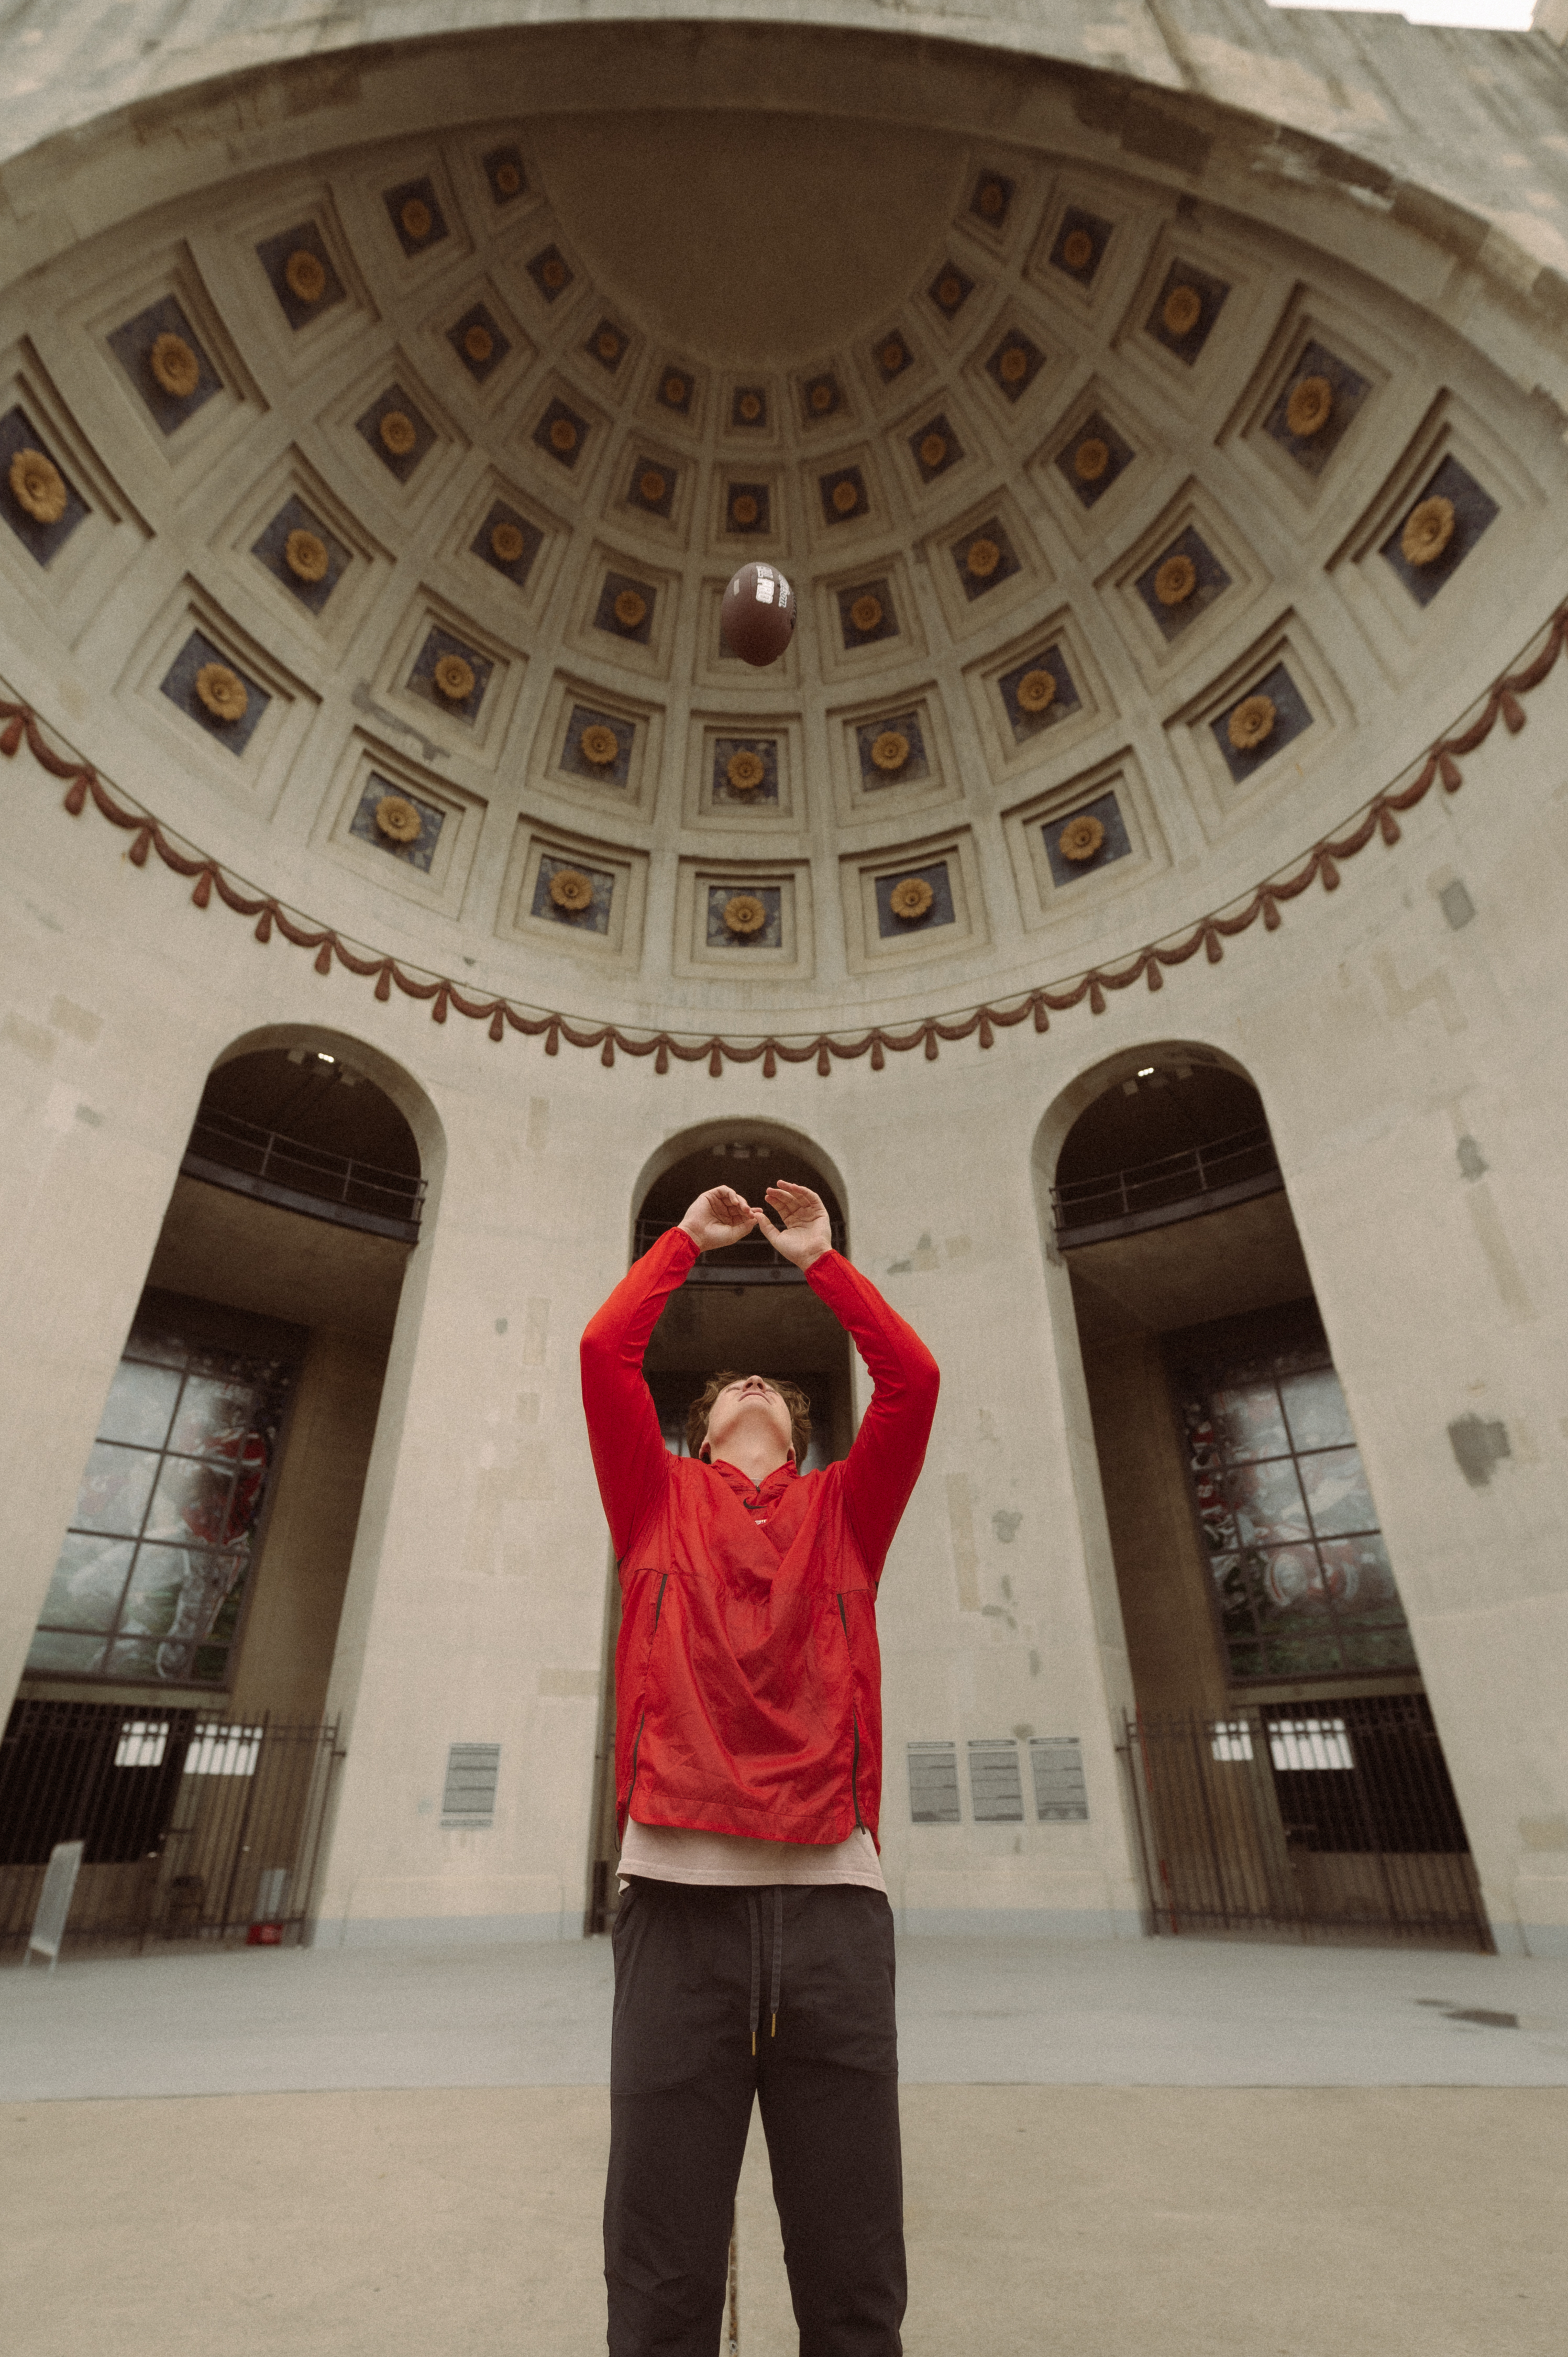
{"x": 682, "y": 1854}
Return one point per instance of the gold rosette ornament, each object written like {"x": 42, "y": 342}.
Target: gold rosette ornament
{"x": 397, "y": 819}
{"x": 652, "y": 488}
{"x": 981, "y": 558}
{"x": 507, "y": 543}
{"x": 743, "y": 510}
{"x": 910, "y": 897}
{"x": 890, "y": 751}
{"x": 305, "y": 554}
{"x": 933, "y": 449}
{"x": 418, "y": 222}
{"x": 748, "y": 408}
{"x": 1252, "y": 723}
{"x": 1078, "y": 249}
{"x": 845, "y": 497}
{"x": 563, "y": 435}
{"x": 175, "y": 366}
{"x": 453, "y": 678}
{"x": 553, "y": 271}
{"x": 1176, "y": 581}
{"x": 222, "y": 692}
{"x": 745, "y": 770}
{"x": 599, "y": 744}
{"x": 821, "y": 396}
{"x": 1036, "y": 691}
{"x": 1310, "y": 407}
{"x": 950, "y": 291}
{"x": 1081, "y": 837}
{"x": 478, "y": 343}
{"x": 304, "y": 276}
{"x": 631, "y": 609}
{"x": 1183, "y": 310}
{"x": 675, "y": 390}
{"x": 572, "y": 890}
{"x": 398, "y": 432}
{"x": 993, "y": 198}
{"x": 608, "y": 344}
{"x": 1428, "y": 530}
{"x": 509, "y": 180}
{"x": 38, "y": 486}
{"x": 892, "y": 356}
{"x": 1090, "y": 459}
{"x": 1013, "y": 365}
{"x": 866, "y": 612}
{"x": 744, "y": 913}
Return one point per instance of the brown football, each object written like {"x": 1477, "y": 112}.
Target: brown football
{"x": 757, "y": 617}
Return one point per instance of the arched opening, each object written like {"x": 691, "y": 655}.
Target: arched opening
{"x": 741, "y": 1307}
{"x": 172, "y": 1710}
{"x": 1286, "y": 1762}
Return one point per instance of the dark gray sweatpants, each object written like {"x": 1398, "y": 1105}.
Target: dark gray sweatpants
{"x": 695, "y": 1968}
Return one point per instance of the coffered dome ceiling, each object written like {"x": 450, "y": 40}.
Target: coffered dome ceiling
{"x": 369, "y": 522}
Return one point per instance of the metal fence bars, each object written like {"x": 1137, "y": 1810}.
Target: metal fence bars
{"x": 1175, "y": 1187}
{"x": 250, "y": 1160}
{"x": 194, "y": 1827}
{"x": 753, "y": 1261}
{"x": 1334, "y": 1816}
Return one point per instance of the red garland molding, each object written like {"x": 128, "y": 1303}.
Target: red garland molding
{"x": 1321, "y": 864}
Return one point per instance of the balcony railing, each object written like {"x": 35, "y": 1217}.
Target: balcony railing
{"x": 1177, "y": 1187}
{"x": 751, "y": 1262}
{"x": 228, "y": 1152}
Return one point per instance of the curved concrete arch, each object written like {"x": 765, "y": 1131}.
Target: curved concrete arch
{"x": 752, "y": 1132}
{"x": 1077, "y": 1095}
{"x": 392, "y": 1078}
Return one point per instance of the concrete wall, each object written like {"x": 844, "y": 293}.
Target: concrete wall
{"x": 1403, "y": 1059}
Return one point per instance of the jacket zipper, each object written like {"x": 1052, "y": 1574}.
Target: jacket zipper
{"x": 855, "y": 1765}
{"x": 637, "y": 1745}
{"x": 635, "y": 1748}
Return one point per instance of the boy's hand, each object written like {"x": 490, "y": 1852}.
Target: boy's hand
{"x": 720, "y": 1217}
{"x": 807, "y": 1232}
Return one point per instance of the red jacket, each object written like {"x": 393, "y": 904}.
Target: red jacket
{"x": 747, "y": 1678}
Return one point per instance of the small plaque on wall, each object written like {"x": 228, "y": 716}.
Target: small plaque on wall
{"x": 1060, "y": 1794}
{"x": 933, "y": 1784}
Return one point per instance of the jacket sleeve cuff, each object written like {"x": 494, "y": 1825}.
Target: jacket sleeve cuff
{"x": 829, "y": 1266}
{"x": 678, "y": 1244}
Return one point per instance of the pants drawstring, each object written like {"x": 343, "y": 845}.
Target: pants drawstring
{"x": 755, "y": 1913}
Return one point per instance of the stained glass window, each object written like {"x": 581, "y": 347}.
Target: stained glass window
{"x": 152, "y": 1574}
{"x": 1301, "y": 1578}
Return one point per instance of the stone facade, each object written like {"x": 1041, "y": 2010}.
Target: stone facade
{"x": 855, "y": 228}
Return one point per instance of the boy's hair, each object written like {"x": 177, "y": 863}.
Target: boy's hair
{"x": 796, "y": 1401}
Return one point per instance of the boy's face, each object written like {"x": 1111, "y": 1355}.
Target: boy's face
{"x": 746, "y": 1409}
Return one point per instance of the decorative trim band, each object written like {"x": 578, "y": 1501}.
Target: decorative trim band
{"x": 1321, "y": 864}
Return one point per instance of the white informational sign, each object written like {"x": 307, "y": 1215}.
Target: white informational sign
{"x": 54, "y": 1901}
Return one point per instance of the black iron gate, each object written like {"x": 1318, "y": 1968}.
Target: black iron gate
{"x": 193, "y": 1827}
{"x": 1333, "y": 1816}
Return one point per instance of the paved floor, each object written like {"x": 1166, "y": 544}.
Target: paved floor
{"x": 1384, "y": 2221}
{"x": 1191, "y": 2149}
{"x": 1186, "y": 2012}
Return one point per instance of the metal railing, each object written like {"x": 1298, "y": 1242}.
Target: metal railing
{"x": 753, "y": 1261}
{"x": 229, "y": 1152}
{"x": 1175, "y": 1187}
{"x": 194, "y": 1827}
{"x": 1333, "y": 1817}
